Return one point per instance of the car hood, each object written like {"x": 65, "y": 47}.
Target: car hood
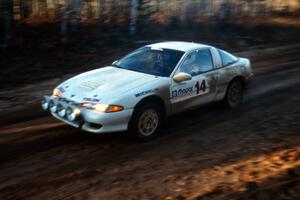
{"x": 101, "y": 85}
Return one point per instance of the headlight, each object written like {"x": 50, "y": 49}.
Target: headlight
{"x": 103, "y": 107}
{"x": 57, "y": 92}
{"x": 100, "y": 107}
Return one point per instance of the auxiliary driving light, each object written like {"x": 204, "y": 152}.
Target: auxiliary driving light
{"x": 45, "y": 103}
{"x": 52, "y": 106}
{"x": 72, "y": 114}
{"x": 61, "y": 111}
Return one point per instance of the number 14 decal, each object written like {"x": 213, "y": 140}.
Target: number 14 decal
{"x": 201, "y": 86}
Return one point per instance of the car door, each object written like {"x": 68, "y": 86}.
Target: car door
{"x": 201, "y": 89}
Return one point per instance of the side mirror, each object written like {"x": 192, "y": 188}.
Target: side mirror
{"x": 181, "y": 76}
{"x": 115, "y": 62}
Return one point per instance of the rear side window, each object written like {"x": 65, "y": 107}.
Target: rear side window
{"x": 227, "y": 58}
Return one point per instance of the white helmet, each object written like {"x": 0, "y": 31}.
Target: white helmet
{"x": 191, "y": 58}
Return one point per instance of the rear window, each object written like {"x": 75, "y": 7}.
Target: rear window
{"x": 227, "y": 58}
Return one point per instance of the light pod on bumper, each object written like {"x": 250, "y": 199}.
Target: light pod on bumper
{"x": 45, "y": 104}
{"x": 61, "y": 111}
{"x": 52, "y": 106}
{"x": 72, "y": 114}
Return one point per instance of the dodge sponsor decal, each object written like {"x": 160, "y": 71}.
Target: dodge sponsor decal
{"x": 182, "y": 92}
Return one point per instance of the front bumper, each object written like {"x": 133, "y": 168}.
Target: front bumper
{"x": 86, "y": 119}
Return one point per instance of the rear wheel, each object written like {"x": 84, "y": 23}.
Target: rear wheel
{"x": 235, "y": 93}
{"x": 146, "y": 121}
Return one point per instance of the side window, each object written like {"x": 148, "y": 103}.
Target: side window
{"x": 227, "y": 58}
{"x": 197, "y": 62}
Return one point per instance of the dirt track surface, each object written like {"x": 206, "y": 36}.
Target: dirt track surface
{"x": 209, "y": 153}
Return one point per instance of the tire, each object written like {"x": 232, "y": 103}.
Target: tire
{"x": 146, "y": 121}
{"x": 234, "y": 94}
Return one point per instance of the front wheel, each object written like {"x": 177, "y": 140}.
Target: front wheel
{"x": 235, "y": 93}
{"x": 146, "y": 122}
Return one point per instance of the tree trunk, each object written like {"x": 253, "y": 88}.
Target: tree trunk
{"x": 63, "y": 25}
{"x": 22, "y": 11}
{"x": 183, "y": 13}
{"x": 133, "y": 17}
{"x": 210, "y": 8}
{"x": 113, "y": 14}
{"x": 74, "y": 20}
{"x": 7, "y": 17}
{"x": 298, "y": 10}
{"x": 101, "y": 14}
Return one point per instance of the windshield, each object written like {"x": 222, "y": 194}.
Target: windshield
{"x": 160, "y": 62}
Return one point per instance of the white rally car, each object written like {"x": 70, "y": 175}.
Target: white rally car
{"x": 140, "y": 90}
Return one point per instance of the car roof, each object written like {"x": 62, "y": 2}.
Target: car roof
{"x": 180, "y": 46}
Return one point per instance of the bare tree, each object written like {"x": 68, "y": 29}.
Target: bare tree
{"x": 210, "y": 8}
{"x": 63, "y": 25}
{"x": 7, "y": 9}
{"x": 113, "y": 13}
{"x": 144, "y": 11}
{"x": 75, "y": 9}
{"x": 133, "y": 17}
{"x": 157, "y": 5}
{"x": 225, "y": 11}
{"x": 101, "y": 14}
{"x": 183, "y": 12}
{"x": 298, "y": 6}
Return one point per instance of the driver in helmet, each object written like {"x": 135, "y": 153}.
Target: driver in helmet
{"x": 191, "y": 65}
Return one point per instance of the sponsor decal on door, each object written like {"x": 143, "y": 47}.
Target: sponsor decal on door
{"x": 189, "y": 90}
